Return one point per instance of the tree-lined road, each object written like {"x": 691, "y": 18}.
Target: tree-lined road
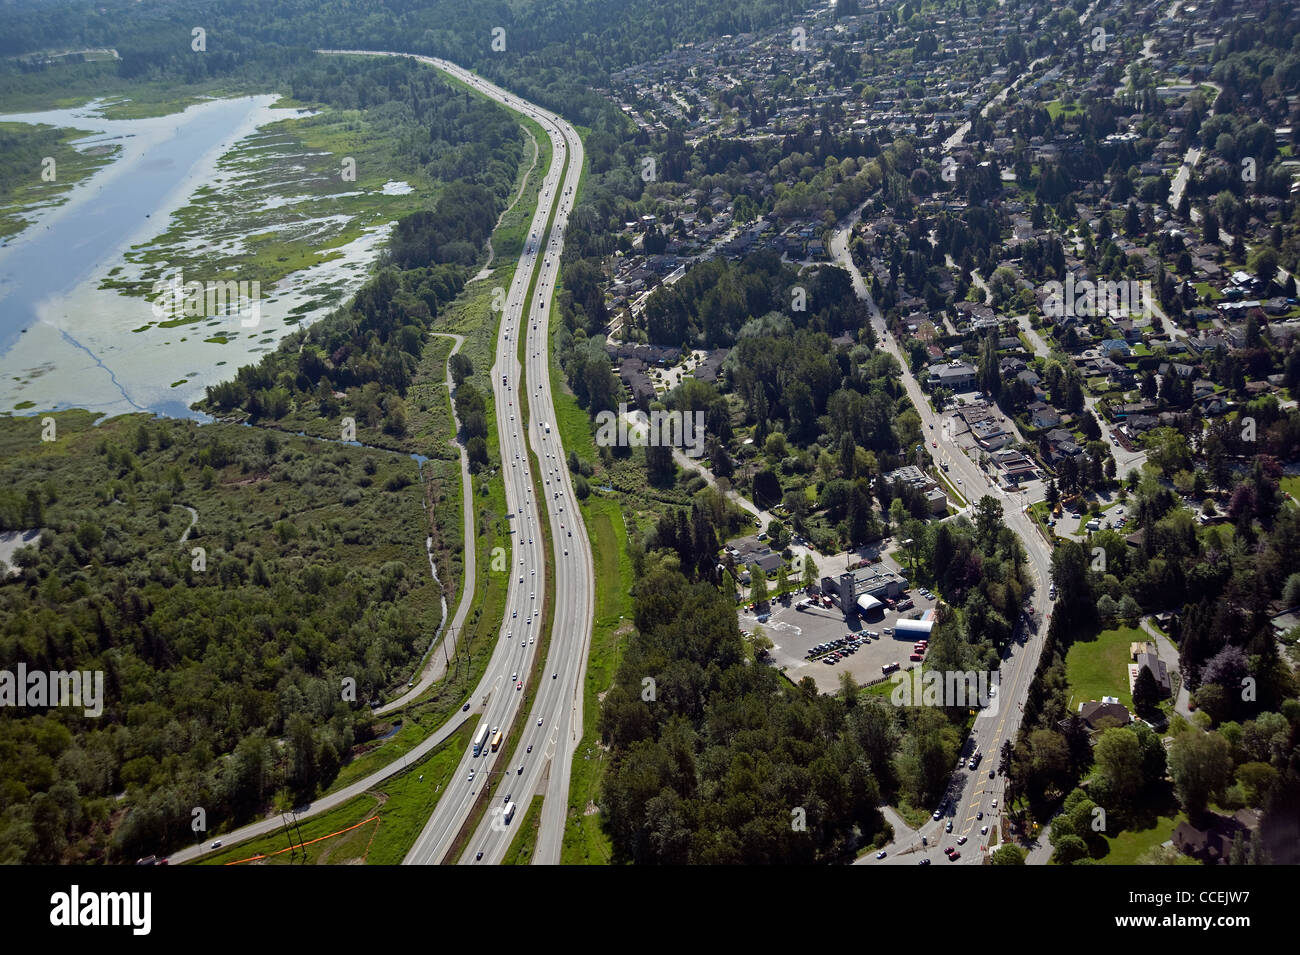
{"x": 970, "y": 792}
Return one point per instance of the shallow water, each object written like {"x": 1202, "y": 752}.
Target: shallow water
{"x": 65, "y": 342}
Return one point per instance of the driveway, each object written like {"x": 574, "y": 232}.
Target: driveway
{"x": 1169, "y": 654}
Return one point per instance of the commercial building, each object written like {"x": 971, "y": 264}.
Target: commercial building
{"x": 874, "y": 581}
{"x": 868, "y": 604}
{"x": 955, "y": 376}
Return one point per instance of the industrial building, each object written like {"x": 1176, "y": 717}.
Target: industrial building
{"x": 913, "y": 629}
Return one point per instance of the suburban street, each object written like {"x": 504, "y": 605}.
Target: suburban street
{"x": 1125, "y": 460}
{"x": 970, "y": 793}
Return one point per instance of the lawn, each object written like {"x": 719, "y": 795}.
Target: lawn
{"x": 585, "y": 842}
{"x": 1056, "y": 109}
{"x": 950, "y": 489}
{"x": 377, "y": 828}
{"x": 1099, "y": 667}
{"x": 914, "y": 816}
{"x": 1126, "y": 847}
{"x": 1041, "y": 513}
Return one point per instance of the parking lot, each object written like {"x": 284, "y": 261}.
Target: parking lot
{"x": 1073, "y": 523}
{"x": 794, "y": 631}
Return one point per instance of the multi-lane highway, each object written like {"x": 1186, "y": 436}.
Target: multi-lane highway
{"x": 542, "y": 759}
{"x": 970, "y": 793}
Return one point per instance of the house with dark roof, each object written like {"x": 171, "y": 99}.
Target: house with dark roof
{"x": 632, "y": 372}
{"x": 1061, "y": 445}
{"x": 1043, "y": 415}
{"x": 1158, "y": 668}
{"x": 709, "y": 369}
{"x": 751, "y": 550}
{"x": 1093, "y": 712}
{"x": 1213, "y": 843}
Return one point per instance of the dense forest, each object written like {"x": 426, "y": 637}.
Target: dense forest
{"x": 224, "y": 635}
{"x": 554, "y": 52}
{"x": 716, "y": 766}
{"x": 714, "y": 757}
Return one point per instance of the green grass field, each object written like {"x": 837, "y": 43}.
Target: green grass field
{"x": 401, "y": 804}
{"x": 1126, "y": 847}
{"x": 1056, "y": 109}
{"x": 585, "y": 842}
{"x": 1099, "y": 667}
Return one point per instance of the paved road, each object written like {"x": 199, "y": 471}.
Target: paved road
{"x": 554, "y": 725}
{"x": 435, "y": 667}
{"x": 959, "y": 135}
{"x": 558, "y": 703}
{"x": 969, "y": 793}
{"x": 1125, "y": 460}
{"x": 334, "y": 799}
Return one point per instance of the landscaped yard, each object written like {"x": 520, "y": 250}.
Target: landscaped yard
{"x": 1127, "y": 846}
{"x": 1056, "y": 108}
{"x": 1099, "y": 667}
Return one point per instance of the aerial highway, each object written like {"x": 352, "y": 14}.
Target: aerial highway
{"x": 541, "y": 762}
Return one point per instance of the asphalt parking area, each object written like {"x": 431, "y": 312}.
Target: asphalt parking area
{"x": 794, "y": 632}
